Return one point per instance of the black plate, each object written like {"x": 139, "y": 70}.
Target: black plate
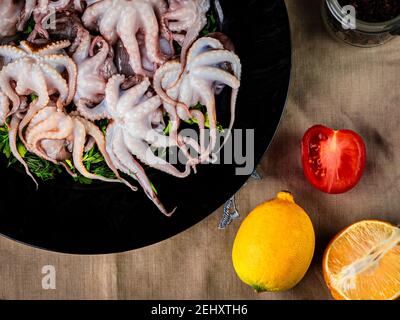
{"x": 101, "y": 218}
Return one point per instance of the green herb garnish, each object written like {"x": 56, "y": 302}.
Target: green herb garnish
{"x": 43, "y": 169}
{"x": 4, "y": 142}
{"x": 154, "y": 188}
{"x": 103, "y": 124}
{"x": 29, "y": 26}
{"x": 95, "y": 163}
{"x": 168, "y": 128}
{"x": 211, "y": 26}
{"x": 32, "y": 97}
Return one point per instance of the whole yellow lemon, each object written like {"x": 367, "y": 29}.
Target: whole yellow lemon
{"x": 274, "y": 246}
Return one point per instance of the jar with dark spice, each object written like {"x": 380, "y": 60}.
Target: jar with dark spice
{"x": 363, "y": 23}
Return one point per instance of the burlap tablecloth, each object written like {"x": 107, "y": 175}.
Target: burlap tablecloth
{"x": 333, "y": 84}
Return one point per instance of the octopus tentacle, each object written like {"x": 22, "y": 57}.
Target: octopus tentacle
{"x": 55, "y": 127}
{"x": 26, "y": 14}
{"x": 98, "y": 137}
{"x": 42, "y": 5}
{"x": 143, "y": 152}
{"x": 98, "y": 59}
{"x": 165, "y": 78}
{"x": 208, "y": 99}
{"x": 93, "y": 12}
{"x": 6, "y": 75}
{"x": 71, "y": 68}
{"x": 190, "y": 37}
{"x": 56, "y": 81}
{"x": 96, "y": 113}
{"x": 130, "y": 166}
{"x": 113, "y": 157}
{"x": 215, "y": 57}
{"x": 201, "y": 46}
{"x": 113, "y": 90}
{"x": 41, "y": 116}
{"x": 52, "y": 48}
{"x": 11, "y": 52}
{"x": 151, "y": 33}
{"x": 108, "y": 25}
{"x": 133, "y": 95}
{"x": 169, "y": 68}
{"x": 213, "y": 74}
{"x": 43, "y": 99}
{"x": 9, "y": 17}
{"x": 79, "y": 133}
{"x": 90, "y": 143}
{"x": 82, "y": 51}
{"x": 179, "y": 14}
{"x": 111, "y": 132}
{"x": 160, "y": 7}
{"x": 13, "y": 130}
{"x": 204, "y": 152}
{"x": 131, "y": 44}
{"x": 4, "y": 108}
{"x": 234, "y": 96}
{"x": 144, "y": 108}
{"x": 185, "y": 95}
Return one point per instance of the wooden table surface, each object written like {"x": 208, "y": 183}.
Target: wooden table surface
{"x": 332, "y": 84}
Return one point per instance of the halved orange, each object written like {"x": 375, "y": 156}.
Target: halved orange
{"x": 363, "y": 262}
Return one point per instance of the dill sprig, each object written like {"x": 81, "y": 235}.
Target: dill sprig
{"x": 41, "y": 168}
{"x": 4, "y": 142}
{"x": 95, "y": 163}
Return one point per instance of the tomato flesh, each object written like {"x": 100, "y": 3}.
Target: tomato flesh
{"x": 333, "y": 160}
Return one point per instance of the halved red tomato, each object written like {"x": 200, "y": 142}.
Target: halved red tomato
{"x": 333, "y": 160}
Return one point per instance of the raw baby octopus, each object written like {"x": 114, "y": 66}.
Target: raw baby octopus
{"x": 10, "y": 12}
{"x": 56, "y": 137}
{"x": 184, "y": 21}
{"x": 204, "y": 72}
{"x": 131, "y": 133}
{"x": 37, "y": 70}
{"x": 125, "y": 19}
{"x": 34, "y": 70}
{"x": 94, "y": 69}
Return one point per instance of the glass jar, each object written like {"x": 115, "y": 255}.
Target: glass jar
{"x": 343, "y": 25}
